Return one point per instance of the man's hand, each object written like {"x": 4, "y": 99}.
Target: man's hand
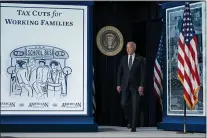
{"x": 118, "y": 88}
{"x": 42, "y": 84}
{"x": 141, "y": 90}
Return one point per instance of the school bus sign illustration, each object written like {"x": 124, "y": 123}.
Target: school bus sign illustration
{"x": 39, "y": 71}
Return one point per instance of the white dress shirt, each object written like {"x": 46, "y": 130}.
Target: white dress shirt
{"x": 133, "y": 56}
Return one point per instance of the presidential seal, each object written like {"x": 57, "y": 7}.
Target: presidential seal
{"x": 109, "y": 41}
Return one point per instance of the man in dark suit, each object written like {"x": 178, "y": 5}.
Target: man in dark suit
{"x": 130, "y": 82}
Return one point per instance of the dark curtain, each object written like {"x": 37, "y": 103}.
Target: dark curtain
{"x": 134, "y": 20}
{"x": 154, "y": 30}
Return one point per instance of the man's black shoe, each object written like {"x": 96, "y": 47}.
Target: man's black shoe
{"x": 133, "y": 130}
{"x": 129, "y": 126}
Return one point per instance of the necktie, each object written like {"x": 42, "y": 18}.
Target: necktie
{"x": 130, "y": 62}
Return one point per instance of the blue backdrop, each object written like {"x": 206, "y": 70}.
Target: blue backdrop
{"x": 195, "y": 123}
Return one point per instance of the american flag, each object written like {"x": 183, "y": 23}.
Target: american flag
{"x": 158, "y": 72}
{"x": 188, "y": 67}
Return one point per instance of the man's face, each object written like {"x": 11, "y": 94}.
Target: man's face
{"x": 24, "y": 65}
{"x": 31, "y": 62}
{"x": 130, "y": 49}
{"x": 54, "y": 67}
{"x": 42, "y": 64}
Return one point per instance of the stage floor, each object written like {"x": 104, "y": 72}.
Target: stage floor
{"x": 107, "y": 131}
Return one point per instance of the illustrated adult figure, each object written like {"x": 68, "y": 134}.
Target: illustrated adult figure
{"x": 22, "y": 77}
{"x": 40, "y": 85}
{"x": 56, "y": 84}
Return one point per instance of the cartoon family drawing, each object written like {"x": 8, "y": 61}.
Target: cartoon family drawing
{"x": 39, "y": 77}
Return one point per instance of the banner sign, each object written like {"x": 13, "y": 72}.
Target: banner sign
{"x": 174, "y": 17}
{"x": 43, "y": 59}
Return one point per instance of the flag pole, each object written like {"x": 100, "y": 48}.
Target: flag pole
{"x": 184, "y": 130}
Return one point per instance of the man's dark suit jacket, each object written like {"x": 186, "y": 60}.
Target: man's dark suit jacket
{"x": 135, "y": 76}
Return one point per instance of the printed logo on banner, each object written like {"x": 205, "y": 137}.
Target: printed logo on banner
{"x": 39, "y": 71}
{"x": 8, "y": 104}
{"x": 38, "y": 105}
{"x": 109, "y": 41}
{"x": 71, "y": 105}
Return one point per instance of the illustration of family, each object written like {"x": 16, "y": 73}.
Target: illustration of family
{"x": 42, "y": 79}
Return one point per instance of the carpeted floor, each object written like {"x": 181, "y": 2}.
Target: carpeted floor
{"x": 107, "y": 131}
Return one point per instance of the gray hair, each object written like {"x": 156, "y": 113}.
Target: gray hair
{"x": 133, "y": 44}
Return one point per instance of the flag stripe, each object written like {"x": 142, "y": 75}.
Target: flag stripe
{"x": 158, "y": 69}
{"x": 196, "y": 59}
{"x": 157, "y": 77}
{"x": 157, "y": 83}
{"x": 157, "y": 89}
